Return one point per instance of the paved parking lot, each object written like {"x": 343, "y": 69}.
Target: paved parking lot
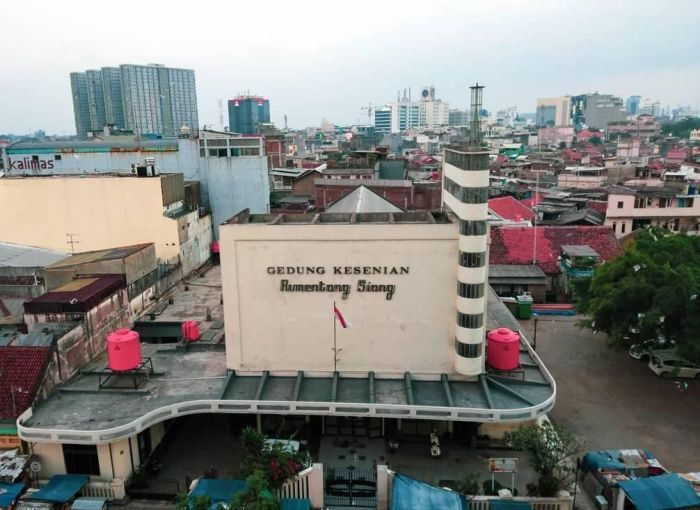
{"x": 614, "y": 401}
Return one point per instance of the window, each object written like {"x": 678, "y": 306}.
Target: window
{"x": 467, "y": 195}
{"x": 614, "y": 227}
{"x": 620, "y": 204}
{"x": 470, "y": 290}
{"x": 213, "y": 152}
{"x": 250, "y": 152}
{"x": 467, "y": 350}
{"x": 467, "y": 161}
{"x": 222, "y": 153}
{"x": 81, "y": 459}
{"x": 235, "y": 152}
{"x": 664, "y": 202}
{"x": 622, "y": 227}
{"x": 477, "y": 259}
{"x": 57, "y": 157}
{"x": 470, "y": 321}
{"x": 202, "y": 153}
{"x": 472, "y": 228}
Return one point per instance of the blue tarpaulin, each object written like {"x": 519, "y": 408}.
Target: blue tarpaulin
{"x": 61, "y": 488}
{"x": 411, "y": 494}
{"x": 509, "y": 505}
{"x": 295, "y": 504}
{"x": 219, "y": 491}
{"x": 9, "y": 492}
{"x": 665, "y": 492}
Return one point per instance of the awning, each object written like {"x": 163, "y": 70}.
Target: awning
{"x": 9, "y": 492}
{"x": 295, "y": 504}
{"x": 61, "y": 488}
{"x": 663, "y": 492}
{"x": 89, "y": 504}
{"x": 509, "y": 505}
{"x": 219, "y": 491}
{"x": 411, "y": 494}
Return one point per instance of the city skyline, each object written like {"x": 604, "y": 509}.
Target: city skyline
{"x": 305, "y": 75}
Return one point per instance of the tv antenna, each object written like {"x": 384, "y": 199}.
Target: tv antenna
{"x": 72, "y": 240}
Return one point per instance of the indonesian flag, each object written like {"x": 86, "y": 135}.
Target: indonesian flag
{"x": 339, "y": 317}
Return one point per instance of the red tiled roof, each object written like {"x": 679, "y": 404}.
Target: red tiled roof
{"x": 514, "y": 245}
{"x": 509, "y": 208}
{"x": 21, "y": 372}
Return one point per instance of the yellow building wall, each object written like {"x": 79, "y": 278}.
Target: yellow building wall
{"x": 50, "y": 455}
{"x": 101, "y": 212}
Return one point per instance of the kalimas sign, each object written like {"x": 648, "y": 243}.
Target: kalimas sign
{"x": 31, "y": 164}
{"x": 344, "y": 289}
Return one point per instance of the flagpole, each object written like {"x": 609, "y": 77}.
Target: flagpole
{"x": 335, "y": 351}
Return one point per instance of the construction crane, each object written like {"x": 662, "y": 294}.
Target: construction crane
{"x": 369, "y": 113}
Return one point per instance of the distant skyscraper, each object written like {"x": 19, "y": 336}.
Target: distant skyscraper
{"x": 553, "y": 111}
{"x": 246, "y": 113}
{"x": 632, "y": 104}
{"x": 597, "y": 110}
{"x": 404, "y": 114}
{"x": 382, "y": 119}
{"x": 144, "y": 99}
{"x": 81, "y": 103}
{"x": 114, "y": 103}
{"x": 650, "y": 107}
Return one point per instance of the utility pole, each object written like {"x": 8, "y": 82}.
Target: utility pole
{"x": 70, "y": 239}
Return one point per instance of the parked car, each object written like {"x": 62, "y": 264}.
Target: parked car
{"x": 670, "y": 365}
{"x": 643, "y": 350}
{"x": 644, "y": 353}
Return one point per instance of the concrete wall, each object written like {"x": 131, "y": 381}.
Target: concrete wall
{"x": 83, "y": 343}
{"x": 267, "y": 329}
{"x": 195, "y": 240}
{"x": 50, "y": 455}
{"x": 230, "y": 185}
{"x": 102, "y": 212}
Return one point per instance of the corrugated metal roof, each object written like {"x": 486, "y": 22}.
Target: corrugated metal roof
{"x": 80, "y": 295}
{"x": 362, "y": 200}
{"x": 119, "y": 252}
{"x": 515, "y": 271}
{"x": 19, "y": 255}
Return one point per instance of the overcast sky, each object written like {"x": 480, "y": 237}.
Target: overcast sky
{"x": 327, "y": 59}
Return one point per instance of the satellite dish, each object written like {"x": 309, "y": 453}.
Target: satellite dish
{"x": 35, "y": 466}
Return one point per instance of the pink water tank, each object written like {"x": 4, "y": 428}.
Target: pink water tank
{"x": 190, "y": 331}
{"x": 503, "y": 349}
{"x": 123, "y": 350}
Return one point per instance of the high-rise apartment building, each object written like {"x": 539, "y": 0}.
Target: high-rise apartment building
{"x": 553, "y": 111}
{"x": 144, "y": 99}
{"x": 246, "y": 113}
{"x": 382, "y": 119}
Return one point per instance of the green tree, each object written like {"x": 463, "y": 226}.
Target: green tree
{"x": 258, "y": 496}
{"x": 682, "y": 128}
{"x": 551, "y": 448}
{"x": 470, "y": 484}
{"x": 185, "y": 502}
{"x": 649, "y": 291}
{"x": 595, "y": 140}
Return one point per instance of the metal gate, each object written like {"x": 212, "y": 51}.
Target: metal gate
{"x": 351, "y": 486}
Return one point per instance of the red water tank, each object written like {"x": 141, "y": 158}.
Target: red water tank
{"x": 190, "y": 331}
{"x": 503, "y": 349}
{"x": 123, "y": 350}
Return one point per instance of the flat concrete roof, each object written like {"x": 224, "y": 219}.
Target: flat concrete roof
{"x": 411, "y": 217}
{"x": 197, "y": 381}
